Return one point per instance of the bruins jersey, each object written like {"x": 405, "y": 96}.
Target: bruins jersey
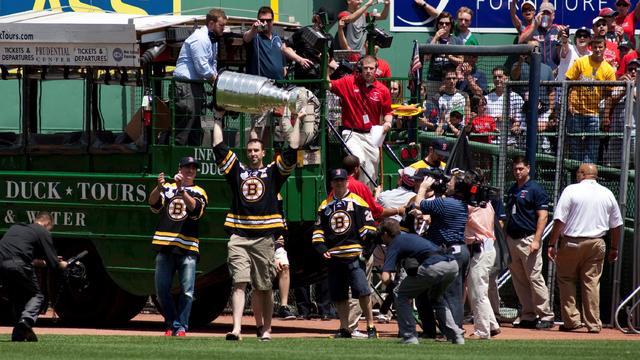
{"x": 178, "y": 226}
{"x": 342, "y": 226}
{"x": 421, "y": 164}
{"x": 254, "y": 206}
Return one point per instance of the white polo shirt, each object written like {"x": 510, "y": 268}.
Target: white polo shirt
{"x": 587, "y": 209}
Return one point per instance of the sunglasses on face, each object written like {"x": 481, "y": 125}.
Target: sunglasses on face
{"x": 621, "y": 4}
{"x": 632, "y": 69}
{"x": 266, "y": 20}
{"x": 582, "y": 35}
{"x": 444, "y": 23}
{"x": 601, "y": 24}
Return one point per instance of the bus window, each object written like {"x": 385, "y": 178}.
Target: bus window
{"x": 11, "y": 116}
{"x": 60, "y": 117}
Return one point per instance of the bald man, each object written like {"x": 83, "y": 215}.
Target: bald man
{"x": 583, "y": 215}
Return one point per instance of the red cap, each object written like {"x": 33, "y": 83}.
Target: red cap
{"x": 607, "y": 12}
{"x": 628, "y": 2}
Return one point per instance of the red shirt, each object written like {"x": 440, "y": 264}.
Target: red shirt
{"x": 625, "y": 60}
{"x": 362, "y": 106}
{"x": 483, "y": 124}
{"x": 384, "y": 70}
{"x": 628, "y": 24}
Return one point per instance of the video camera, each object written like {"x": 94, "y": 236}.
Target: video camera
{"x": 76, "y": 273}
{"x": 439, "y": 186}
{"x": 476, "y": 191}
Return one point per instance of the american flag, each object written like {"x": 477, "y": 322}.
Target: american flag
{"x": 415, "y": 73}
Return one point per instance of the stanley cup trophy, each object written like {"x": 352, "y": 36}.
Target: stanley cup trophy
{"x": 256, "y": 95}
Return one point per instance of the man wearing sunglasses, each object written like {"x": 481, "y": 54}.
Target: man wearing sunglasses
{"x": 627, "y": 19}
{"x": 569, "y": 53}
{"x": 546, "y": 33}
{"x": 266, "y": 50}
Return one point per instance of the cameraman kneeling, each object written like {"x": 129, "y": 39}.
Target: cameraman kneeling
{"x": 448, "y": 220}
{"x": 428, "y": 269}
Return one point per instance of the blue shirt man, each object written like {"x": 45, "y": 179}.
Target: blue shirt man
{"x": 198, "y": 57}
{"x": 434, "y": 274}
{"x": 527, "y": 212}
{"x": 196, "y": 61}
{"x": 448, "y": 219}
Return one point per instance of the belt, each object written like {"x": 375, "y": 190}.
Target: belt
{"x": 579, "y": 238}
{"x": 359, "y": 131}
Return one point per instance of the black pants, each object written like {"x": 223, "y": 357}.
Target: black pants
{"x": 304, "y": 302}
{"x": 22, "y": 288}
{"x": 190, "y": 98}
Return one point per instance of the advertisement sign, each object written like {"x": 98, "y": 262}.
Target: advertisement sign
{"x": 118, "y": 55}
{"x": 141, "y": 7}
{"x": 491, "y": 16}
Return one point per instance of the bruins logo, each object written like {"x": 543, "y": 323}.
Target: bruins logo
{"x": 340, "y": 222}
{"x": 177, "y": 209}
{"x": 252, "y": 189}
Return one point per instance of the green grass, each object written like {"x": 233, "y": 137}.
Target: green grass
{"x": 144, "y": 347}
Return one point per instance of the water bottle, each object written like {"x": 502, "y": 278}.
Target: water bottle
{"x": 546, "y": 21}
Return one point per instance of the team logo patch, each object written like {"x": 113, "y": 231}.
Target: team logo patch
{"x": 340, "y": 222}
{"x": 177, "y": 209}
{"x": 252, "y": 189}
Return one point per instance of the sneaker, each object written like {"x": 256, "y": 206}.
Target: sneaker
{"x": 181, "y": 333}
{"x": 285, "y": 313}
{"x": 545, "y": 325}
{"x": 410, "y": 341}
{"x": 458, "y": 340}
{"x": 495, "y": 332}
{"x": 168, "y": 332}
{"x": 526, "y": 324}
{"x": 383, "y": 319}
{"x": 372, "y": 333}
{"x": 343, "y": 334}
{"x": 358, "y": 335}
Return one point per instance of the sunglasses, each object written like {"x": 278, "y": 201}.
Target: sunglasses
{"x": 622, "y": 4}
{"x": 446, "y": 23}
{"x": 582, "y": 35}
{"x": 632, "y": 69}
{"x": 601, "y": 24}
{"x": 266, "y": 20}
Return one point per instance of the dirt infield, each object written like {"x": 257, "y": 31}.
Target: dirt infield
{"x": 151, "y": 325}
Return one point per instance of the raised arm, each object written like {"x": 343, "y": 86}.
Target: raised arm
{"x": 356, "y": 14}
{"x": 428, "y": 8}
{"x": 515, "y": 20}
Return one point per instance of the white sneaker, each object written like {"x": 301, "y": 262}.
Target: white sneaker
{"x": 383, "y": 319}
{"x": 355, "y": 334}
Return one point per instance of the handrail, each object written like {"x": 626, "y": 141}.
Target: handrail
{"x": 629, "y": 310}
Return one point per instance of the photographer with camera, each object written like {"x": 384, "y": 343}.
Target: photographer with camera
{"x": 21, "y": 248}
{"x": 197, "y": 61}
{"x": 429, "y": 270}
{"x": 448, "y": 220}
{"x": 266, "y": 50}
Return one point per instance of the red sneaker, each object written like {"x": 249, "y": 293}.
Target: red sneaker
{"x": 168, "y": 332}
{"x": 181, "y": 333}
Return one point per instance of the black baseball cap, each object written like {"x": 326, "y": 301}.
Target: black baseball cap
{"x": 584, "y": 29}
{"x": 338, "y": 174}
{"x": 440, "y": 147}
{"x": 188, "y": 160}
{"x": 635, "y": 62}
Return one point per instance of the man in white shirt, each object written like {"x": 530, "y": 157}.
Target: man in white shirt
{"x": 583, "y": 215}
{"x": 495, "y": 101}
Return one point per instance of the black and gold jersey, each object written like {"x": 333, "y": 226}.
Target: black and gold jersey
{"x": 178, "y": 226}
{"x": 342, "y": 226}
{"x": 254, "y": 205}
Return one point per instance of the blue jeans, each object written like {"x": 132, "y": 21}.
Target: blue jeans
{"x": 453, "y": 295}
{"x": 583, "y": 146}
{"x": 166, "y": 265}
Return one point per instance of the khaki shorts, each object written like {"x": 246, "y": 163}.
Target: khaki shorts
{"x": 252, "y": 260}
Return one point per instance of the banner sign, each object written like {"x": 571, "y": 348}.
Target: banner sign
{"x": 491, "y": 16}
{"x": 141, "y": 7}
{"x": 107, "y": 55}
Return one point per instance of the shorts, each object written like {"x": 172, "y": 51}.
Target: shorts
{"x": 281, "y": 255}
{"x": 343, "y": 276}
{"x": 252, "y": 260}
